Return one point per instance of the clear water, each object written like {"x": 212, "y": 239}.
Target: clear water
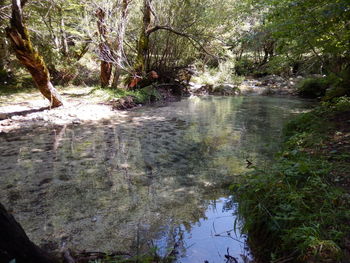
{"x": 157, "y": 177}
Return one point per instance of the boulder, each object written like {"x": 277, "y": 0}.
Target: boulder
{"x": 225, "y": 90}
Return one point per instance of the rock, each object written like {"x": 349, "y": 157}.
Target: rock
{"x": 76, "y": 121}
{"x": 225, "y": 90}
{"x": 200, "y": 90}
{"x": 3, "y": 116}
{"x": 194, "y": 86}
{"x": 124, "y": 103}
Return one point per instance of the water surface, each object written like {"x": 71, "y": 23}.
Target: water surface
{"x": 155, "y": 178}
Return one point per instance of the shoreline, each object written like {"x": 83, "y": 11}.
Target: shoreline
{"x": 83, "y": 106}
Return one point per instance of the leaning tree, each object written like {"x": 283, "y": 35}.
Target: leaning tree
{"x": 28, "y": 56}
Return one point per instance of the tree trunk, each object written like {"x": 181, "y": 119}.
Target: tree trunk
{"x": 3, "y": 48}
{"x": 120, "y": 40}
{"x": 143, "y": 43}
{"x": 106, "y": 67}
{"x": 15, "y": 244}
{"x": 26, "y": 54}
{"x": 3, "y": 52}
{"x": 64, "y": 44}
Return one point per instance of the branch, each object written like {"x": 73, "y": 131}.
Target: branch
{"x": 17, "y": 18}
{"x": 153, "y": 12}
{"x": 23, "y": 2}
{"x": 191, "y": 38}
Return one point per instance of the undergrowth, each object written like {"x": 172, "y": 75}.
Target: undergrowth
{"x": 223, "y": 73}
{"x": 293, "y": 211}
{"x": 327, "y": 87}
{"x": 141, "y": 96}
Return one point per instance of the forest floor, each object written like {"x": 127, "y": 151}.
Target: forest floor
{"x": 23, "y": 110}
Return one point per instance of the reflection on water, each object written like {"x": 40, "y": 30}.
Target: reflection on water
{"x": 157, "y": 177}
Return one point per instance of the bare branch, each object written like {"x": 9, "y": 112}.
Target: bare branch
{"x": 191, "y": 38}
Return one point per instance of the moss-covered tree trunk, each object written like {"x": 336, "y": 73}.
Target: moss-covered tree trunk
{"x": 106, "y": 67}
{"x": 15, "y": 244}
{"x": 143, "y": 42}
{"x": 28, "y": 56}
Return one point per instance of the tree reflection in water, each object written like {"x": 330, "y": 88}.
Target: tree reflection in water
{"x": 152, "y": 176}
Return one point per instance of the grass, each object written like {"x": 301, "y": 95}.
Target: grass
{"x": 142, "y": 96}
{"x": 296, "y": 210}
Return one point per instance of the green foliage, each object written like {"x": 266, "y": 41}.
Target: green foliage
{"x": 310, "y": 129}
{"x": 279, "y": 65}
{"x": 340, "y": 85}
{"x": 223, "y": 73}
{"x": 293, "y": 209}
{"x": 245, "y": 66}
{"x": 295, "y": 36}
{"x": 22, "y": 84}
{"x": 313, "y": 87}
{"x": 142, "y": 96}
{"x": 147, "y": 94}
{"x": 292, "y": 205}
{"x": 310, "y": 26}
{"x": 327, "y": 88}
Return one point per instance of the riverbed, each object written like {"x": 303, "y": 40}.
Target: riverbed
{"x": 155, "y": 178}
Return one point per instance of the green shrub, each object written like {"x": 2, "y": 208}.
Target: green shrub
{"x": 340, "y": 86}
{"x": 279, "y": 65}
{"x": 313, "y": 87}
{"x": 147, "y": 94}
{"x": 293, "y": 209}
{"x": 142, "y": 96}
{"x": 244, "y": 67}
{"x": 335, "y": 92}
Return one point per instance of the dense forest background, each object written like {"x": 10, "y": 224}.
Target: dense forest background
{"x": 140, "y": 51}
{"x": 118, "y": 43}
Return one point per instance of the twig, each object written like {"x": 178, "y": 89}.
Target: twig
{"x": 230, "y": 259}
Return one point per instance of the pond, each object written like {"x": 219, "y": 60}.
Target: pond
{"x": 156, "y": 177}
